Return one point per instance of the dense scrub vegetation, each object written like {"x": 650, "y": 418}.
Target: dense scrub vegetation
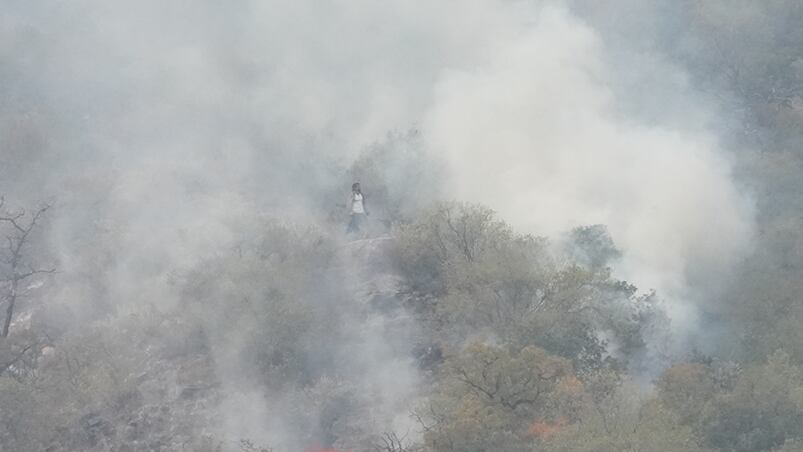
{"x": 528, "y": 349}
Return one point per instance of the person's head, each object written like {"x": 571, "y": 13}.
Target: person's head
{"x": 355, "y": 187}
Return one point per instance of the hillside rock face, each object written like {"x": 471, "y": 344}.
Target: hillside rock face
{"x": 387, "y": 338}
{"x": 377, "y": 290}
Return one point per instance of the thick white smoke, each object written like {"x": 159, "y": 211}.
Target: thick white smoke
{"x": 533, "y": 130}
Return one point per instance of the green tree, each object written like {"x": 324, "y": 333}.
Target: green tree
{"x": 624, "y": 421}
{"x": 486, "y": 279}
{"x": 489, "y": 396}
{"x": 762, "y": 411}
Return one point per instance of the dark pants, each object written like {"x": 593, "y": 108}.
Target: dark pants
{"x": 355, "y": 223}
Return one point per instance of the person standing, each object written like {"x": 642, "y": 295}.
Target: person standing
{"x": 358, "y": 210}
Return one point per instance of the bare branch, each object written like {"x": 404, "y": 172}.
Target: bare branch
{"x": 390, "y": 443}
{"x": 12, "y": 219}
{"x": 17, "y": 358}
{"x": 32, "y": 272}
{"x": 16, "y": 242}
{"x": 38, "y": 215}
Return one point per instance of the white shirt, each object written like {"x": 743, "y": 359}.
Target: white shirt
{"x": 356, "y": 203}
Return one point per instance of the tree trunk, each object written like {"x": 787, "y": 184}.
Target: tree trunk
{"x": 12, "y": 298}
